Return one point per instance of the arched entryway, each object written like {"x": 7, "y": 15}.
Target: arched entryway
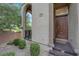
{"x": 26, "y": 15}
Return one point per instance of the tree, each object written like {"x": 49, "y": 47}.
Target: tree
{"x": 9, "y": 16}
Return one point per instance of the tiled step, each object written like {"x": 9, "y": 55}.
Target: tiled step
{"x": 61, "y": 49}
{"x": 64, "y": 51}
{"x": 63, "y": 41}
{"x": 58, "y": 53}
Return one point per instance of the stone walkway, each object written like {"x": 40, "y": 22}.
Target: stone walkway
{"x": 9, "y": 36}
{"x": 11, "y": 48}
{"x": 4, "y": 48}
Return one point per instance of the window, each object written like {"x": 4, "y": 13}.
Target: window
{"x": 61, "y": 11}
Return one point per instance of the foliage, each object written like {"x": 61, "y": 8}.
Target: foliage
{"x": 16, "y": 29}
{"x": 20, "y": 43}
{"x": 8, "y": 54}
{"x": 35, "y": 49}
{"x": 9, "y": 16}
{"x": 16, "y": 42}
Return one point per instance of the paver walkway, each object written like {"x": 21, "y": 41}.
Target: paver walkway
{"x": 4, "y": 48}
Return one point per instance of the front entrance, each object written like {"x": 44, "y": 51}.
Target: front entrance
{"x": 61, "y": 22}
{"x": 61, "y": 42}
{"x": 61, "y": 27}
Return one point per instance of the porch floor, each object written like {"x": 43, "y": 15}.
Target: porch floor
{"x": 66, "y": 47}
{"x": 63, "y": 49}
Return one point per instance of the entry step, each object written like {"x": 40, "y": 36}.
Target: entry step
{"x": 58, "y": 53}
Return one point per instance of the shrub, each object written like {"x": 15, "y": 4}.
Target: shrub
{"x": 8, "y": 54}
{"x": 16, "y": 42}
{"x": 22, "y": 44}
{"x": 35, "y": 49}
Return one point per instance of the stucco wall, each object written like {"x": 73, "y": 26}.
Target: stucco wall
{"x": 40, "y": 23}
{"x": 51, "y": 24}
{"x": 77, "y": 31}
{"x": 73, "y": 23}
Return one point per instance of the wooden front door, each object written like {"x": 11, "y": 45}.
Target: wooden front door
{"x": 61, "y": 27}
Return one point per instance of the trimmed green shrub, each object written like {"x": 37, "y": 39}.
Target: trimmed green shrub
{"x": 16, "y": 42}
{"x": 8, "y": 54}
{"x": 22, "y": 44}
{"x": 35, "y": 49}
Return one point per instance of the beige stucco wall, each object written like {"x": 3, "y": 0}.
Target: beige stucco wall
{"x": 40, "y": 23}
{"x": 73, "y": 23}
{"x": 51, "y": 25}
{"x": 77, "y": 50}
